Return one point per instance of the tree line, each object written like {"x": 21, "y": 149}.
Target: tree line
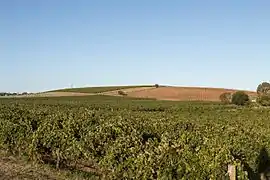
{"x": 13, "y": 94}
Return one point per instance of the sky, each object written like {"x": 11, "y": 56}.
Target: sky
{"x": 54, "y": 44}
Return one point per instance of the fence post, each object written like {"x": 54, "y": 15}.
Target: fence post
{"x": 232, "y": 172}
{"x": 262, "y": 176}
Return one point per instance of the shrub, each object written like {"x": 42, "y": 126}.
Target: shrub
{"x": 264, "y": 100}
{"x": 122, "y": 93}
{"x": 240, "y": 98}
{"x": 226, "y": 97}
{"x": 157, "y": 85}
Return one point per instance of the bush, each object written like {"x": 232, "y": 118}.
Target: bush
{"x": 264, "y": 100}
{"x": 122, "y": 93}
{"x": 157, "y": 85}
{"x": 226, "y": 97}
{"x": 240, "y": 98}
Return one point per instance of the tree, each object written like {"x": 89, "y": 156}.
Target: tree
{"x": 226, "y": 97}
{"x": 240, "y": 98}
{"x": 157, "y": 85}
{"x": 263, "y": 88}
{"x": 263, "y": 91}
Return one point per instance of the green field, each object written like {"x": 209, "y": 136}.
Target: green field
{"x": 125, "y": 138}
{"x": 97, "y": 89}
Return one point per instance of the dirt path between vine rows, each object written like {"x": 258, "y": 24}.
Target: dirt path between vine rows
{"x": 12, "y": 168}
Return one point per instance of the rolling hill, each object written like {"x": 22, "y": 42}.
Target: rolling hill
{"x": 148, "y": 91}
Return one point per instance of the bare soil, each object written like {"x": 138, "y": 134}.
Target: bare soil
{"x": 184, "y": 93}
{"x": 14, "y": 168}
{"x": 11, "y": 168}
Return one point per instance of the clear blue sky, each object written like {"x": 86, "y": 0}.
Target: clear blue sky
{"x": 47, "y": 44}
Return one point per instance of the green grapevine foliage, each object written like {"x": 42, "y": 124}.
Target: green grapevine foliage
{"x": 136, "y": 139}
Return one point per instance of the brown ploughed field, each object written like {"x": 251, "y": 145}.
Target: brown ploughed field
{"x": 184, "y": 93}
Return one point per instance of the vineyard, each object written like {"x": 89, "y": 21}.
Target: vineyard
{"x": 125, "y": 138}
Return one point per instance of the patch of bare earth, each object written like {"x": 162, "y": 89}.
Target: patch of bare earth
{"x": 11, "y": 168}
{"x": 14, "y": 168}
{"x": 183, "y": 93}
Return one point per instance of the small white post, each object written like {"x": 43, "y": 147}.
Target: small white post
{"x": 232, "y": 172}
